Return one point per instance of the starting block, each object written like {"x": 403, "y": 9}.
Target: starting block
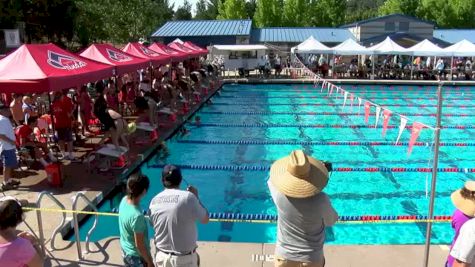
{"x": 169, "y": 112}
{"x": 107, "y": 157}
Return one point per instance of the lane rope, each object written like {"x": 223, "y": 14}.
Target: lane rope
{"x": 335, "y": 169}
{"x": 327, "y": 113}
{"x": 273, "y": 125}
{"x": 326, "y": 96}
{"x": 313, "y": 143}
{"x": 271, "y": 218}
{"x": 334, "y": 105}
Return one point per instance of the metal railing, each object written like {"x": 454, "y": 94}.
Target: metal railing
{"x": 40, "y": 221}
{"x": 76, "y": 223}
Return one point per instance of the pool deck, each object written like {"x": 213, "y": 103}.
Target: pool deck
{"x": 97, "y": 185}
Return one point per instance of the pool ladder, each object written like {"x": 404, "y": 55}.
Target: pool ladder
{"x": 57, "y": 230}
{"x": 78, "y": 196}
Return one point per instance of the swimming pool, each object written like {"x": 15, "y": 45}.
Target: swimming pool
{"x": 246, "y": 125}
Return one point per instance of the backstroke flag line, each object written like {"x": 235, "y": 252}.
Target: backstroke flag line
{"x": 416, "y": 130}
{"x": 367, "y": 107}
{"x": 386, "y": 116}
{"x": 402, "y": 126}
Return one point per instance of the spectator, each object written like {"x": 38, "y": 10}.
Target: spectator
{"x": 464, "y": 202}
{"x": 63, "y": 108}
{"x": 152, "y": 108}
{"x": 296, "y": 183}
{"x": 17, "y": 110}
{"x": 174, "y": 213}
{"x": 17, "y": 249}
{"x": 464, "y": 248}
{"x": 85, "y": 109}
{"x": 29, "y": 110}
{"x": 134, "y": 240}
{"x": 7, "y": 151}
{"x": 24, "y": 139}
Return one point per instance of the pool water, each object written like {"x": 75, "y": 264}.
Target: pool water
{"x": 352, "y": 193}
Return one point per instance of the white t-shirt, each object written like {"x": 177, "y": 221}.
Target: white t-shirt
{"x": 464, "y": 248}
{"x": 6, "y": 129}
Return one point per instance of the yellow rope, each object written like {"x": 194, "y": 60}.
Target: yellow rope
{"x": 112, "y": 214}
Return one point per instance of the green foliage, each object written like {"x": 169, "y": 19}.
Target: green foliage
{"x": 329, "y": 13}
{"x": 207, "y": 10}
{"x": 232, "y": 9}
{"x": 250, "y": 8}
{"x": 296, "y": 13}
{"x": 183, "y": 12}
{"x": 407, "y": 7}
{"x": 268, "y": 13}
{"x": 357, "y": 10}
{"x": 449, "y": 14}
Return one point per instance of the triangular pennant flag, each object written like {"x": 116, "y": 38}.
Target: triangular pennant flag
{"x": 402, "y": 126}
{"x": 378, "y": 111}
{"x": 352, "y": 97}
{"x": 359, "y": 105}
{"x": 344, "y": 98}
{"x": 416, "y": 130}
{"x": 323, "y": 85}
{"x": 331, "y": 91}
{"x": 386, "y": 115}
{"x": 367, "y": 107}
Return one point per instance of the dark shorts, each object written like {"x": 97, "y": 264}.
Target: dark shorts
{"x": 9, "y": 158}
{"x": 65, "y": 134}
{"x": 133, "y": 261}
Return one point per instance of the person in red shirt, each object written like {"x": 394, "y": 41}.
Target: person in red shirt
{"x": 24, "y": 138}
{"x": 63, "y": 118}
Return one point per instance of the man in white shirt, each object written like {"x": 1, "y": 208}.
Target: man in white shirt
{"x": 464, "y": 248}
{"x": 7, "y": 150}
{"x": 174, "y": 213}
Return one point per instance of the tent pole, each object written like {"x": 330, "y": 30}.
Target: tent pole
{"x": 412, "y": 66}
{"x": 451, "y": 67}
{"x": 434, "y": 174}
{"x": 52, "y": 119}
{"x": 333, "y": 67}
{"x": 374, "y": 62}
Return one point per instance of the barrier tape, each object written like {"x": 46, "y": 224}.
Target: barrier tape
{"x": 328, "y": 113}
{"x": 325, "y": 96}
{"x": 335, "y": 105}
{"x": 271, "y": 125}
{"x": 313, "y": 143}
{"x": 271, "y": 218}
{"x": 335, "y": 169}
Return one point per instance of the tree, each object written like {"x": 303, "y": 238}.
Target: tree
{"x": 407, "y": 7}
{"x": 329, "y": 13}
{"x": 295, "y": 13}
{"x": 207, "y": 10}
{"x": 449, "y": 14}
{"x": 362, "y": 9}
{"x": 250, "y": 8}
{"x": 268, "y": 13}
{"x": 183, "y": 12}
{"x": 232, "y": 9}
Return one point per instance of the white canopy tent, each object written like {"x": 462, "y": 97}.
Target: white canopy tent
{"x": 427, "y": 48}
{"x": 311, "y": 46}
{"x": 388, "y": 47}
{"x": 463, "y": 48}
{"x": 350, "y": 47}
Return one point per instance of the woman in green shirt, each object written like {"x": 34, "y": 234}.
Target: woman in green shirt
{"x": 132, "y": 224}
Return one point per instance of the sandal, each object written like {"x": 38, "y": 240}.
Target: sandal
{"x": 14, "y": 182}
{"x": 7, "y": 186}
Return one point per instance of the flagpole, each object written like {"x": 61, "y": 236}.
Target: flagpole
{"x": 434, "y": 174}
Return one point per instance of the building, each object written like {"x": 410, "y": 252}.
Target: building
{"x": 403, "y": 29}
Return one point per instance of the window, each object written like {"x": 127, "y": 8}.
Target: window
{"x": 233, "y": 55}
{"x": 389, "y": 26}
{"x": 404, "y": 26}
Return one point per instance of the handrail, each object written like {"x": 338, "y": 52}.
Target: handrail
{"x": 40, "y": 221}
{"x": 76, "y": 223}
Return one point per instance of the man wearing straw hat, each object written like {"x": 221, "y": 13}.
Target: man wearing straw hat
{"x": 296, "y": 183}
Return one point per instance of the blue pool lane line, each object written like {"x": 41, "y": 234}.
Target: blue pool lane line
{"x": 252, "y": 103}
{"x": 326, "y": 113}
{"x": 337, "y": 169}
{"x": 313, "y": 143}
{"x": 272, "y": 125}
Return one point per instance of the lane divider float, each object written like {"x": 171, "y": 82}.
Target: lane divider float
{"x": 272, "y": 125}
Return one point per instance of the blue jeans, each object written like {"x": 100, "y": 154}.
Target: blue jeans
{"x": 9, "y": 158}
{"x": 133, "y": 261}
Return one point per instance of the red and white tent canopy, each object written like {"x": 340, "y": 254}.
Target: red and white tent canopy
{"x": 107, "y": 54}
{"x": 176, "y": 55}
{"x": 180, "y": 47}
{"x": 139, "y": 50}
{"x": 191, "y": 45}
{"x": 46, "y": 67}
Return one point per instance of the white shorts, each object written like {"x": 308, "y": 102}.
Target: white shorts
{"x": 167, "y": 260}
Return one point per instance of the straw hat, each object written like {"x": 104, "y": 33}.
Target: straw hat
{"x": 299, "y": 175}
{"x": 464, "y": 199}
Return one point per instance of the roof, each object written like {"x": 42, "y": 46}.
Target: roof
{"x": 240, "y": 47}
{"x": 204, "y": 28}
{"x": 396, "y": 36}
{"x": 455, "y": 35}
{"x": 298, "y": 35}
{"x": 361, "y": 22}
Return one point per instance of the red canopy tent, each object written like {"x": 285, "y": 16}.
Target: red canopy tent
{"x": 191, "y": 45}
{"x": 46, "y": 67}
{"x": 107, "y": 54}
{"x": 139, "y": 50}
{"x": 180, "y": 47}
{"x": 176, "y": 55}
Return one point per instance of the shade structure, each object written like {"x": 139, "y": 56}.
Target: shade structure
{"x": 191, "y": 45}
{"x": 463, "y": 48}
{"x": 139, "y": 50}
{"x": 426, "y": 48}
{"x": 388, "y": 47}
{"x": 311, "y": 46}
{"x": 180, "y": 47}
{"x": 350, "y": 47}
{"x": 46, "y": 67}
{"x": 176, "y": 55}
{"x": 122, "y": 62}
